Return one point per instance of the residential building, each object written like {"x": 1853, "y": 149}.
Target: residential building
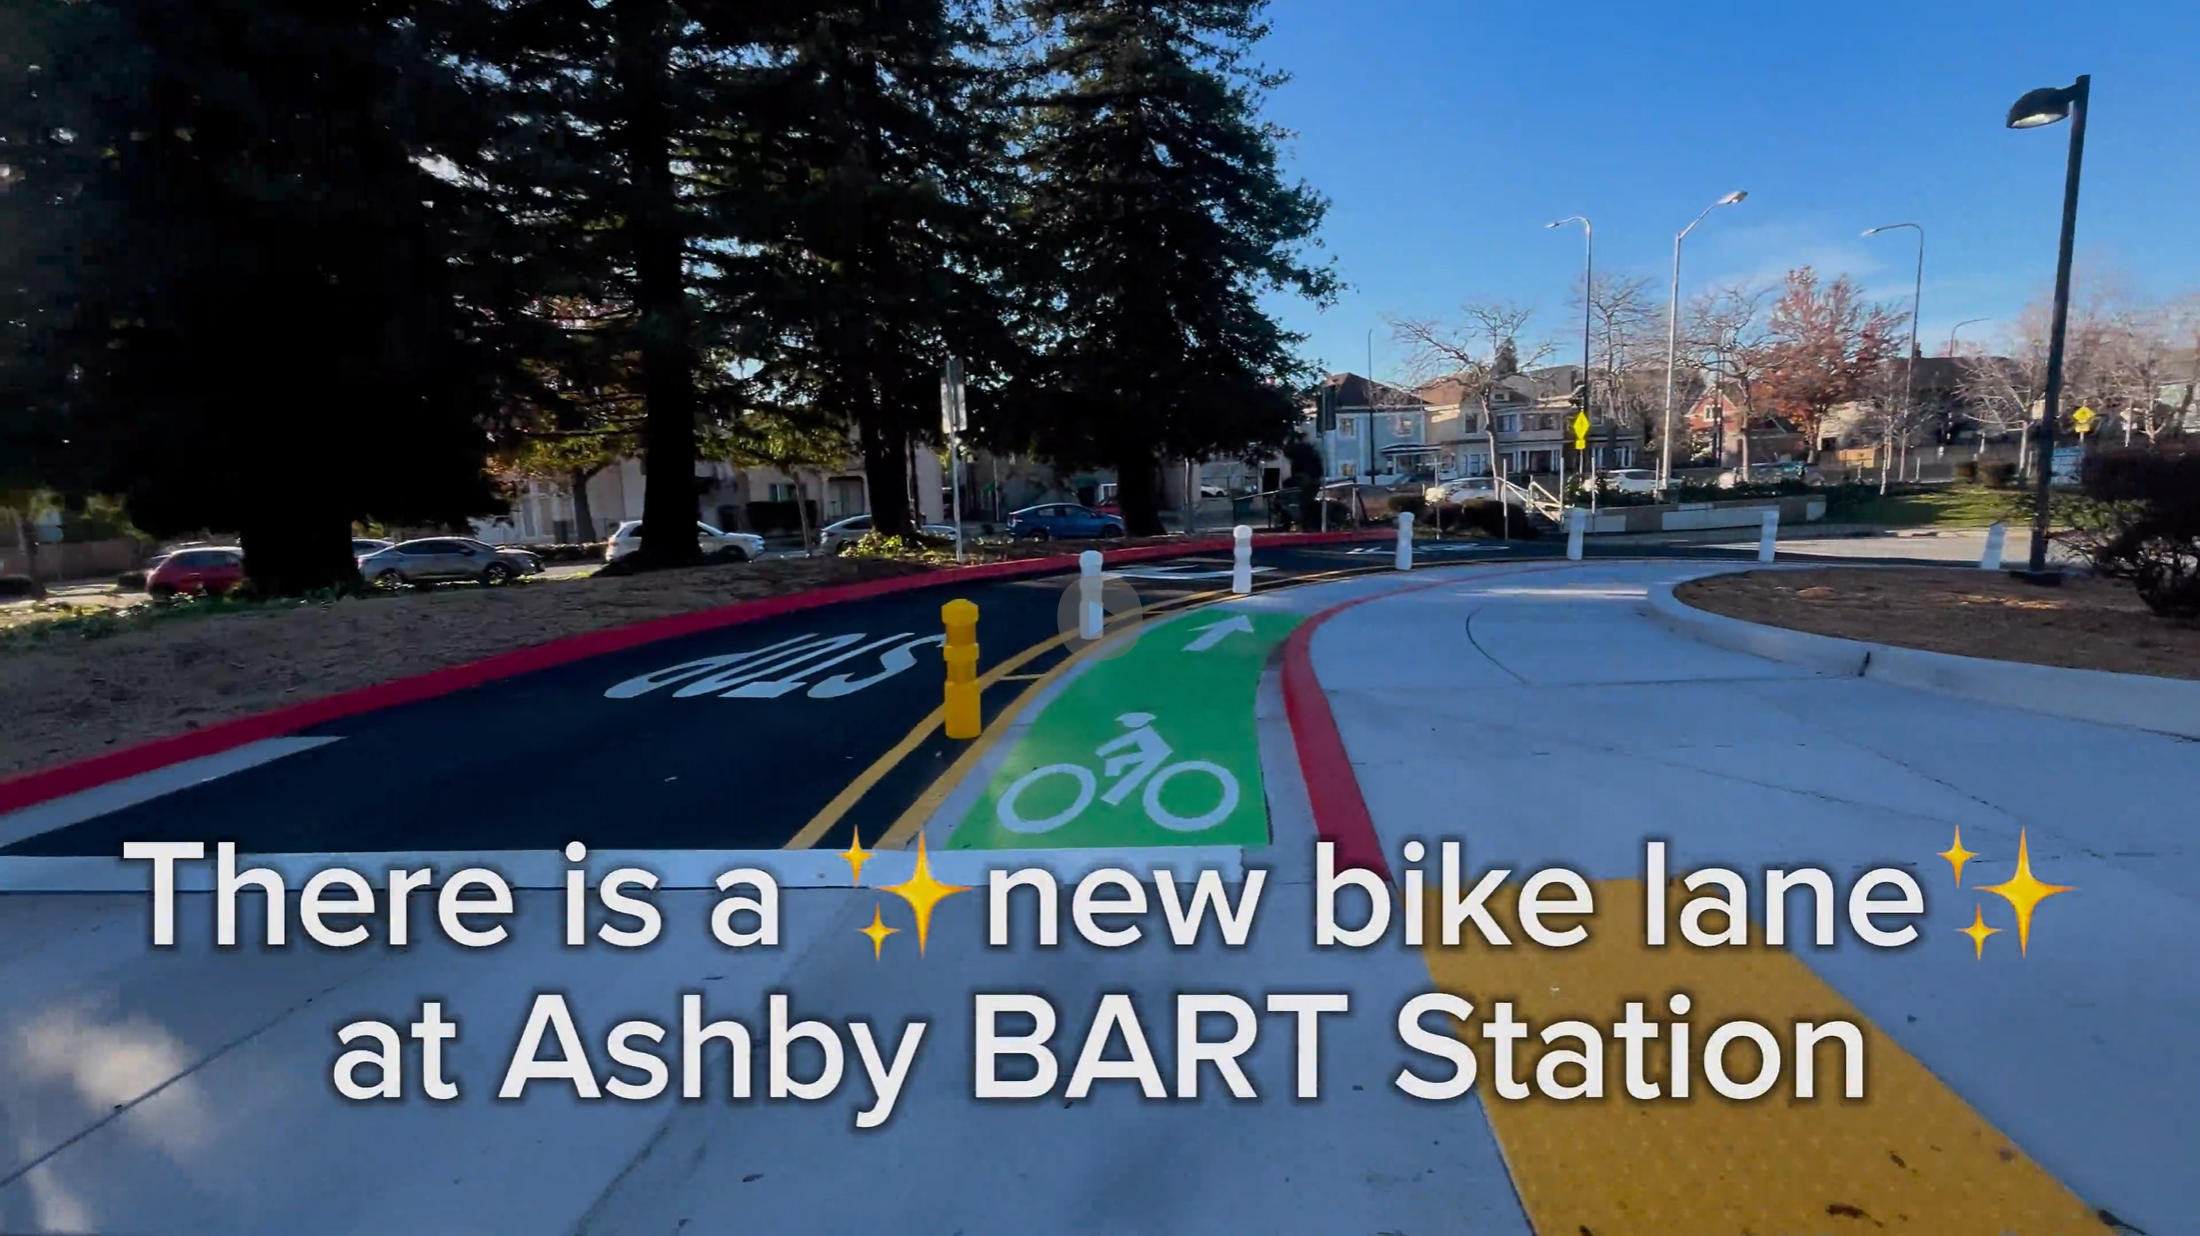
{"x": 735, "y": 499}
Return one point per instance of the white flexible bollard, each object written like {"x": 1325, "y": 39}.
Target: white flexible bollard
{"x": 1997, "y": 535}
{"x": 1241, "y": 569}
{"x": 1090, "y": 616}
{"x": 1770, "y": 536}
{"x": 1577, "y": 522}
{"x": 1405, "y": 540}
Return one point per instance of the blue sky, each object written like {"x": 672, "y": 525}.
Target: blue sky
{"x": 1446, "y": 134}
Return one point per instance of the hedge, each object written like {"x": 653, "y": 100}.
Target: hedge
{"x": 2156, "y": 540}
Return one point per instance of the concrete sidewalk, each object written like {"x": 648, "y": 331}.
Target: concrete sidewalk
{"x": 1547, "y": 721}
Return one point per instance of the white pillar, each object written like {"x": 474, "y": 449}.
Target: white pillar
{"x": 1090, "y": 617}
{"x": 1770, "y": 536}
{"x": 1405, "y": 540}
{"x": 1241, "y": 569}
{"x": 1577, "y": 522}
{"x": 1996, "y": 534}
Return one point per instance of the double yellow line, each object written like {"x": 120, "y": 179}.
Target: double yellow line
{"x": 911, "y": 820}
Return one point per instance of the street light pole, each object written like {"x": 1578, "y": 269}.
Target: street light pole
{"x": 1673, "y": 338}
{"x": 2037, "y": 108}
{"x": 1588, "y": 312}
{"x": 1909, "y": 366}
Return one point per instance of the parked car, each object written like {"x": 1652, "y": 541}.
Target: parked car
{"x": 205, "y": 571}
{"x": 1062, "y": 521}
{"x": 1764, "y": 474}
{"x": 834, "y": 537}
{"x": 361, "y": 546}
{"x": 446, "y": 559}
{"x": 1464, "y": 489}
{"x": 1630, "y": 480}
{"x": 724, "y": 546}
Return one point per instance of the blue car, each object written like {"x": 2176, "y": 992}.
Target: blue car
{"x": 1061, "y": 521}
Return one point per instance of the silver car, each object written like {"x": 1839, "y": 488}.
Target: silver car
{"x": 835, "y": 537}
{"x": 444, "y": 560}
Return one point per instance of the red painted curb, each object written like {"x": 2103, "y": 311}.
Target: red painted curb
{"x": 1332, "y": 788}
{"x": 41, "y": 785}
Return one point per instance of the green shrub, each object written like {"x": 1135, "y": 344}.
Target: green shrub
{"x": 918, "y": 547}
{"x": 2146, "y": 526}
{"x": 130, "y": 581}
{"x": 1487, "y": 517}
{"x": 1999, "y": 473}
{"x": 14, "y": 587}
{"x": 589, "y": 551}
{"x": 1966, "y": 470}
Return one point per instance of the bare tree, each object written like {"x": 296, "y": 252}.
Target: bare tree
{"x": 1627, "y": 350}
{"x": 1475, "y": 349}
{"x": 1725, "y": 334}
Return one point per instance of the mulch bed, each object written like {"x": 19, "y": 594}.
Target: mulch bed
{"x": 2085, "y": 623}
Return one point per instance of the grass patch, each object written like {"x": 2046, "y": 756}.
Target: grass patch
{"x": 1947, "y": 506}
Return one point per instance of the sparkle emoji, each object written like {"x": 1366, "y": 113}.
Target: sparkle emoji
{"x": 877, "y": 931}
{"x": 2024, "y": 892}
{"x": 922, "y": 892}
{"x": 1957, "y": 855}
{"x": 1978, "y": 931}
{"x": 856, "y": 856}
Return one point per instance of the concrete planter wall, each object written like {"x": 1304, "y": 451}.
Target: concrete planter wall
{"x": 2138, "y": 701}
{"x": 1694, "y": 516}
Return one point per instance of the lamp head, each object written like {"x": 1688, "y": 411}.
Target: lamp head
{"x": 2040, "y": 107}
{"x": 1733, "y": 197}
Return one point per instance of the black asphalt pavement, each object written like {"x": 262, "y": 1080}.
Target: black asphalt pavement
{"x": 729, "y": 739}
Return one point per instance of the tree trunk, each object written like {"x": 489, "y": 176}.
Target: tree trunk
{"x": 584, "y": 517}
{"x": 802, "y": 508}
{"x": 667, "y": 343}
{"x": 1136, "y": 491}
{"x": 885, "y": 478}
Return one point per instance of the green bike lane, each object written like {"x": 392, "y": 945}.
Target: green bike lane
{"x": 1154, "y": 745}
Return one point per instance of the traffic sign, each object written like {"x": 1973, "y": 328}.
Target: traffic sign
{"x": 1581, "y": 431}
{"x": 2082, "y": 419}
{"x": 954, "y": 419}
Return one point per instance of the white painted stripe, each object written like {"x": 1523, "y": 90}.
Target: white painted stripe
{"x": 675, "y": 869}
{"x": 130, "y": 791}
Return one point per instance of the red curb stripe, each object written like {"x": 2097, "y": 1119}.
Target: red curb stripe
{"x": 41, "y": 785}
{"x": 1332, "y": 788}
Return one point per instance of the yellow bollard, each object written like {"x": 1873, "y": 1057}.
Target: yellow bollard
{"x": 961, "y": 653}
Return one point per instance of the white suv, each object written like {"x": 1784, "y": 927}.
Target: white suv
{"x": 1630, "y": 480}
{"x": 733, "y": 546}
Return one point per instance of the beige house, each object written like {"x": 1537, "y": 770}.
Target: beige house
{"x": 734, "y": 499}
{"x": 1521, "y": 420}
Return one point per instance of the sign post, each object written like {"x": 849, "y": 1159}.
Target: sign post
{"x": 1580, "y": 426}
{"x": 2082, "y": 421}
{"x": 954, "y": 419}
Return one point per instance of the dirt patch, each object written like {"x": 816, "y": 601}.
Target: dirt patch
{"x": 2083, "y": 624}
{"x": 69, "y": 696}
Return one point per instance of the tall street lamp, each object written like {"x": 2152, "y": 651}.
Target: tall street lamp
{"x": 1909, "y": 366}
{"x": 2040, "y": 107}
{"x": 1959, "y": 326}
{"x": 1673, "y": 338}
{"x": 1588, "y": 311}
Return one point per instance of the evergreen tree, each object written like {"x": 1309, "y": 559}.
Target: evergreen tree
{"x": 1159, "y": 206}
{"x": 628, "y": 175}
{"x": 235, "y": 294}
{"x": 886, "y": 245}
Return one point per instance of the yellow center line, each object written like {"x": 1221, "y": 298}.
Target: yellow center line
{"x": 833, "y": 812}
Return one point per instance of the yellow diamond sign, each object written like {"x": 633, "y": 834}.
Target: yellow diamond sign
{"x": 1581, "y": 431}
{"x": 2083, "y": 419}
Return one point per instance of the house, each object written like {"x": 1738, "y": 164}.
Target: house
{"x": 736, "y": 499}
{"x": 1382, "y": 430}
{"x": 1720, "y": 427}
{"x": 1520, "y": 420}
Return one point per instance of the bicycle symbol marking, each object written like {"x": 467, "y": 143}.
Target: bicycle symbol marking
{"x": 1138, "y": 757}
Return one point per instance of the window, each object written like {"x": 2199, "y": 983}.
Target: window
{"x": 1347, "y": 428}
{"x": 205, "y": 558}
{"x": 1507, "y": 422}
{"x": 1548, "y": 420}
{"x": 1406, "y": 427}
{"x": 1467, "y": 423}
{"x": 782, "y": 491}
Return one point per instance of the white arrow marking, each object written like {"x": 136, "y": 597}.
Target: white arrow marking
{"x": 1215, "y": 632}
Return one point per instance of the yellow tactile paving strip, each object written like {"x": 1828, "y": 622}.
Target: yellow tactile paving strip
{"x": 1910, "y": 1156}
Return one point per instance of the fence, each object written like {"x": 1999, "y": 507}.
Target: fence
{"x": 65, "y": 560}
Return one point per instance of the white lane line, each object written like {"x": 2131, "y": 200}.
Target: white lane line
{"x": 130, "y": 791}
{"x": 675, "y": 869}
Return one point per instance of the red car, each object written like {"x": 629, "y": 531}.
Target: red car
{"x": 210, "y": 571}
